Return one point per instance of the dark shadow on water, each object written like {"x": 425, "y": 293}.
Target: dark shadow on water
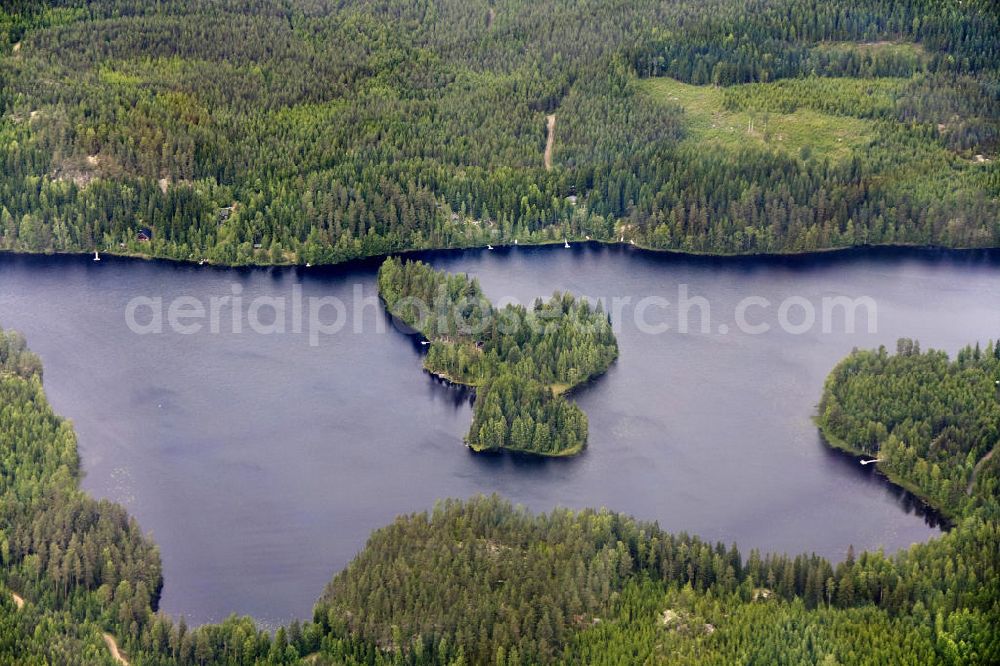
{"x": 886, "y": 255}
{"x": 499, "y": 460}
{"x": 458, "y": 394}
{"x": 907, "y": 501}
{"x": 417, "y": 339}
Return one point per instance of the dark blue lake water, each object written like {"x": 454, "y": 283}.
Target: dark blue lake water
{"x": 260, "y": 461}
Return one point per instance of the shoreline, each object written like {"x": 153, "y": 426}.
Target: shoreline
{"x": 378, "y": 258}
{"x": 557, "y": 390}
{"x": 946, "y": 517}
{"x": 567, "y": 453}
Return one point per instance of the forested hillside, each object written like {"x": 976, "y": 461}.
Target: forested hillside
{"x": 248, "y": 131}
{"x": 520, "y": 360}
{"x": 484, "y": 582}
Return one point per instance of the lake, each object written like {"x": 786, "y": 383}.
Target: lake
{"x": 260, "y": 460}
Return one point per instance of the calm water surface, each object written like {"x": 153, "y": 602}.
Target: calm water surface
{"x": 260, "y": 463}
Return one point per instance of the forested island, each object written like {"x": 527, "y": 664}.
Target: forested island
{"x": 307, "y": 131}
{"x": 521, "y": 361}
{"x": 482, "y": 581}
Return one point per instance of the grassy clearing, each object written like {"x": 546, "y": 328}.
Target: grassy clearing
{"x": 832, "y": 116}
{"x": 884, "y": 48}
{"x": 115, "y": 77}
{"x": 708, "y": 120}
{"x": 837, "y": 96}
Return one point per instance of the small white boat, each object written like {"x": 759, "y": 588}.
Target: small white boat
{"x": 308, "y": 265}
{"x": 201, "y": 263}
{"x": 565, "y": 243}
{"x": 622, "y": 239}
{"x": 489, "y": 247}
{"x": 97, "y": 256}
{"x": 632, "y": 241}
{"x": 425, "y": 342}
{"x": 515, "y": 241}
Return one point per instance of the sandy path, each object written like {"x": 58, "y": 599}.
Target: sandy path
{"x": 550, "y": 140}
{"x": 108, "y": 638}
{"x": 975, "y": 470}
{"x": 113, "y": 648}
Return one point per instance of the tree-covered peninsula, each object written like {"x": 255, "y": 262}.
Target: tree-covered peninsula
{"x": 521, "y": 360}
{"x": 485, "y": 582}
{"x": 932, "y": 423}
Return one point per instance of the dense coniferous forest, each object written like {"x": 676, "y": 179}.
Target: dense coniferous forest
{"x": 258, "y": 132}
{"x": 246, "y": 131}
{"x": 520, "y": 360}
{"x": 482, "y": 581}
{"x": 933, "y": 423}
{"x": 599, "y": 587}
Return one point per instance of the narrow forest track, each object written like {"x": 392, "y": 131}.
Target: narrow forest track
{"x": 550, "y": 140}
{"x": 113, "y": 648}
{"x": 979, "y": 465}
{"x": 18, "y": 600}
